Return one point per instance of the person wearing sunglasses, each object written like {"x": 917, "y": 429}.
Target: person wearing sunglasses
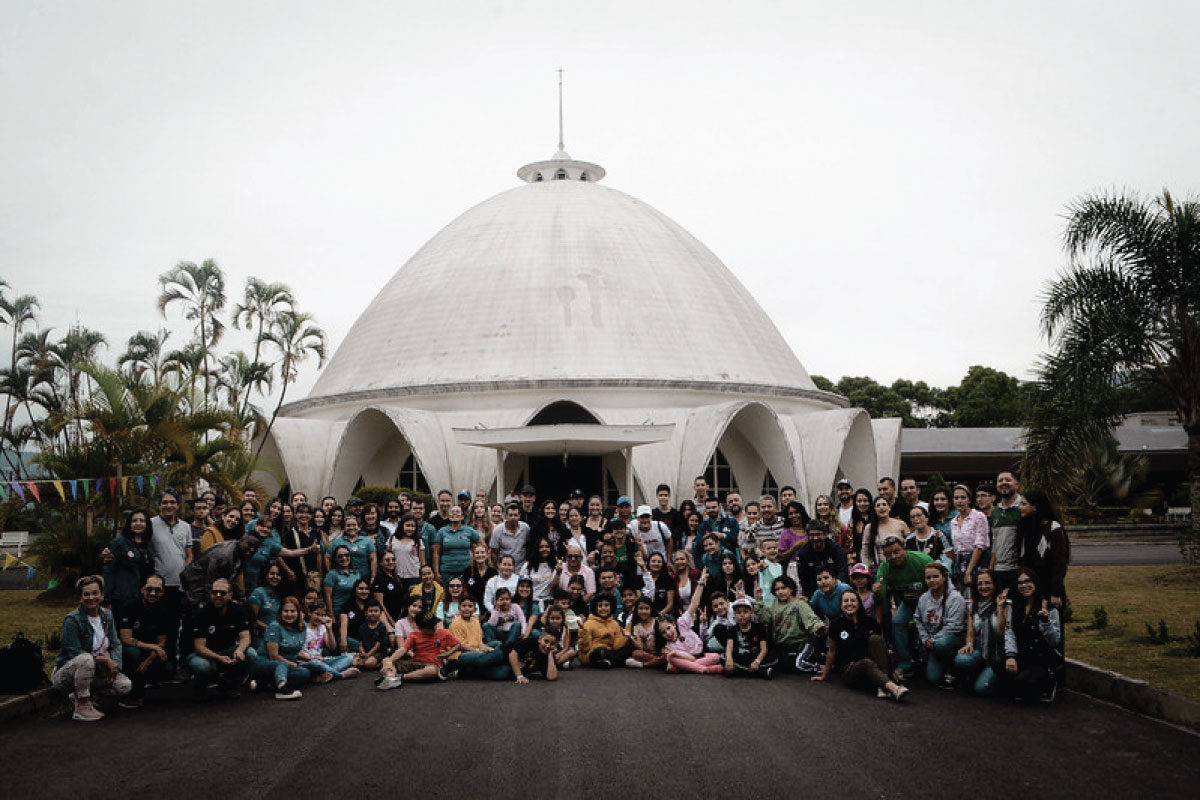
{"x": 221, "y": 643}
{"x": 143, "y": 626}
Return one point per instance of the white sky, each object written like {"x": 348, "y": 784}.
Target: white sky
{"x": 887, "y": 179}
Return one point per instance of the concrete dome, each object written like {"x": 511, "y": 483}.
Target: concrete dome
{"x": 561, "y": 280}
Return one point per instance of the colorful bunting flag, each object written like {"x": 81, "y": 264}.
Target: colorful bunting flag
{"x": 3, "y": 494}
{"x": 87, "y": 489}
{"x": 29, "y": 573}
{"x": 9, "y": 560}
{"x": 74, "y": 489}
{"x": 17, "y": 488}
{"x": 58, "y": 485}
{"x": 141, "y": 489}
{"x": 34, "y": 490}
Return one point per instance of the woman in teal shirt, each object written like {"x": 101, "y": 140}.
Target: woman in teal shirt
{"x": 264, "y": 606}
{"x": 452, "y": 547}
{"x": 340, "y": 580}
{"x": 284, "y": 641}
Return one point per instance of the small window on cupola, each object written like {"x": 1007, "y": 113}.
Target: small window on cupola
{"x": 583, "y": 176}
{"x": 537, "y": 178}
{"x": 561, "y": 175}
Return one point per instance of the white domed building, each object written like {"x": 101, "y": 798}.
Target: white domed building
{"x": 620, "y": 354}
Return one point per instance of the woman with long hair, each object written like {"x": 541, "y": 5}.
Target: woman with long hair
{"x": 1033, "y": 656}
{"x": 882, "y": 526}
{"x": 825, "y": 510}
{"x": 659, "y": 584}
{"x": 480, "y": 517}
{"x": 1042, "y": 544}
{"x": 857, "y": 651}
{"x": 941, "y": 511}
{"x": 862, "y": 516}
{"x": 546, "y": 526}
{"x": 969, "y": 533}
{"x": 941, "y": 619}
{"x": 794, "y": 536}
{"x": 981, "y": 658}
{"x": 132, "y": 560}
{"x": 690, "y": 522}
{"x": 228, "y": 526}
{"x": 540, "y": 569}
{"x": 594, "y": 524}
{"x": 279, "y": 664}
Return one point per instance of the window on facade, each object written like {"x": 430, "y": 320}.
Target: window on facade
{"x": 719, "y": 475}
{"x": 612, "y": 490}
{"x": 537, "y": 178}
{"x": 561, "y": 175}
{"x": 583, "y": 176}
{"x": 769, "y": 486}
{"x": 411, "y": 476}
{"x": 358, "y": 484}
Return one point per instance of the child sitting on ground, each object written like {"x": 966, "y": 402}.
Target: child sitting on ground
{"x": 428, "y": 646}
{"x": 374, "y": 638}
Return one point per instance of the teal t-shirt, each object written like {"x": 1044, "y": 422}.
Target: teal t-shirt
{"x": 290, "y": 641}
{"x": 361, "y": 550}
{"x": 342, "y": 584}
{"x": 456, "y": 548}
{"x": 267, "y": 552}
{"x": 267, "y": 602}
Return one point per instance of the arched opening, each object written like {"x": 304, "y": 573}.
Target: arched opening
{"x": 583, "y": 176}
{"x": 719, "y": 475}
{"x": 555, "y": 477}
{"x": 537, "y": 178}
{"x": 769, "y": 486}
{"x": 755, "y": 451}
{"x": 561, "y": 175}
{"x": 411, "y": 476}
{"x": 372, "y": 452}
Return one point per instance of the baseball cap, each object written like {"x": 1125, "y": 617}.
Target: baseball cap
{"x": 528, "y": 489}
{"x": 643, "y": 511}
{"x": 742, "y": 602}
{"x": 577, "y": 493}
{"x": 464, "y": 495}
{"x": 624, "y": 500}
{"x": 860, "y": 569}
{"x": 844, "y": 482}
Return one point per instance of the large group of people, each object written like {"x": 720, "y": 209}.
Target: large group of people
{"x": 870, "y": 590}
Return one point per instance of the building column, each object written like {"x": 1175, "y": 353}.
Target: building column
{"x": 629, "y": 474}
{"x": 499, "y": 474}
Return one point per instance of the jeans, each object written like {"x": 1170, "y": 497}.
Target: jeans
{"x": 901, "y": 618}
{"x": 945, "y": 648}
{"x": 491, "y": 666}
{"x": 334, "y": 665}
{"x": 974, "y": 667}
{"x": 230, "y": 676}
{"x": 507, "y": 639}
{"x": 279, "y": 672}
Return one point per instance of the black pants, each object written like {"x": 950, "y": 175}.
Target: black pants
{"x": 617, "y": 657}
{"x": 172, "y": 604}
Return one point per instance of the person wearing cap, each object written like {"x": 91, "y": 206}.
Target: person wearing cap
{"x": 576, "y": 499}
{"x": 464, "y": 501}
{"x": 901, "y": 579}
{"x": 654, "y": 537}
{"x": 574, "y": 565}
{"x": 860, "y": 582}
{"x": 625, "y": 510}
{"x": 528, "y": 497}
{"x": 819, "y": 552}
{"x": 726, "y": 529}
{"x": 844, "y": 490}
{"x": 748, "y": 644}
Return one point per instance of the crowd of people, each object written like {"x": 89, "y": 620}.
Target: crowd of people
{"x": 872, "y": 591}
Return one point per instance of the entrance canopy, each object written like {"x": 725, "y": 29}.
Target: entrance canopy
{"x": 581, "y": 439}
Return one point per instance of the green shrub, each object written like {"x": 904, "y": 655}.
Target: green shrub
{"x": 1099, "y": 618}
{"x": 1159, "y": 635}
{"x": 380, "y": 495}
{"x": 52, "y": 641}
{"x": 1193, "y": 642}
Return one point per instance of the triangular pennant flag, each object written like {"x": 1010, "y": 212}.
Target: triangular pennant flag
{"x": 17, "y": 488}
{"x": 74, "y": 490}
{"x": 34, "y": 490}
{"x": 99, "y": 485}
{"x": 9, "y": 560}
{"x": 29, "y": 573}
{"x": 58, "y": 485}
{"x": 125, "y": 485}
{"x": 141, "y": 489}
{"x": 157, "y": 481}
{"x": 3, "y": 494}
{"x": 52, "y": 584}
{"x": 87, "y": 489}
{"x": 112, "y": 486}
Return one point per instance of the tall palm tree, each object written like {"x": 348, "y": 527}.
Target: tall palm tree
{"x": 1126, "y": 310}
{"x": 144, "y": 355}
{"x": 187, "y": 365}
{"x": 239, "y": 376}
{"x": 200, "y": 288}
{"x": 17, "y": 312}
{"x": 296, "y": 337}
{"x": 260, "y": 307}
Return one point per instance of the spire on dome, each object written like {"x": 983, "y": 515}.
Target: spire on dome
{"x": 560, "y": 167}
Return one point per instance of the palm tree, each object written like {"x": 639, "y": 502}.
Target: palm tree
{"x": 240, "y": 375}
{"x": 259, "y": 309}
{"x": 296, "y": 337}
{"x": 1127, "y": 310}
{"x": 17, "y": 312}
{"x": 201, "y": 290}
{"x": 187, "y": 365}
{"x": 144, "y": 355}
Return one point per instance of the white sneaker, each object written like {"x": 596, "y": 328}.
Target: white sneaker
{"x": 294, "y": 694}
{"x": 633, "y": 663}
{"x": 899, "y": 693}
{"x": 882, "y": 692}
{"x": 391, "y": 682}
{"x": 253, "y": 685}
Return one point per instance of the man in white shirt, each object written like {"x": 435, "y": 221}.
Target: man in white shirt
{"x": 845, "y": 498}
{"x": 654, "y": 536}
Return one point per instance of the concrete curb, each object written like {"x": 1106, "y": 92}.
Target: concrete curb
{"x": 27, "y": 703}
{"x": 1133, "y": 694}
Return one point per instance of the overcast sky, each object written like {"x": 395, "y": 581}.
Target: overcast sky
{"x": 887, "y": 179}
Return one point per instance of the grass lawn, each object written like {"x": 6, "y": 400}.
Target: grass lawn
{"x": 19, "y": 611}
{"x": 1134, "y": 596}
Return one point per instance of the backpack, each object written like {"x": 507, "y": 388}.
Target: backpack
{"x": 21, "y": 666}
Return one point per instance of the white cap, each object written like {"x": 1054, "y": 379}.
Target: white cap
{"x": 643, "y": 511}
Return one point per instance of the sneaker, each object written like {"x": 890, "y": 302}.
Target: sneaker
{"x": 442, "y": 674}
{"x": 633, "y": 663}
{"x": 768, "y": 673}
{"x": 294, "y": 694}
{"x": 390, "y": 682}
{"x": 948, "y": 683}
{"x": 882, "y": 692}
{"x": 808, "y": 667}
{"x": 253, "y": 685}
{"x": 602, "y": 663}
{"x": 898, "y": 695}
{"x": 131, "y": 703}
{"x": 379, "y": 680}
{"x": 349, "y": 672}
{"x": 567, "y": 665}
{"x": 86, "y": 712}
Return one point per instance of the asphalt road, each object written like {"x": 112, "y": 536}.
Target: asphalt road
{"x": 622, "y": 734}
{"x": 1102, "y": 554}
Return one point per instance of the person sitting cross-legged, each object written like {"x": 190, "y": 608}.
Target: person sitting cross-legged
{"x": 420, "y": 656}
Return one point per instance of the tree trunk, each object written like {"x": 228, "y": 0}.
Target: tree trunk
{"x": 1189, "y": 541}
